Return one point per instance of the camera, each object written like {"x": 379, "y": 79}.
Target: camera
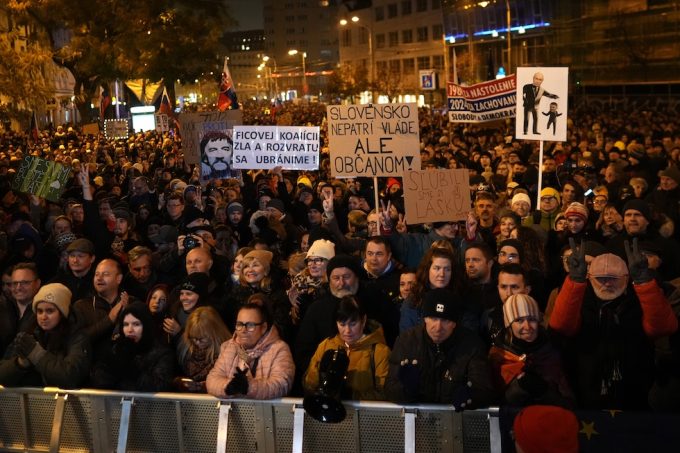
{"x": 190, "y": 242}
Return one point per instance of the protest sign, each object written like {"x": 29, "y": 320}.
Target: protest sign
{"x": 373, "y": 139}
{"x": 162, "y": 123}
{"x": 436, "y": 195}
{"x": 193, "y": 126}
{"x": 91, "y": 129}
{"x": 487, "y": 101}
{"x": 542, "y": 114}
{"x": 265, "y": 147}
{"x": 114, "y": 129}
{"x": 40, "y": 177}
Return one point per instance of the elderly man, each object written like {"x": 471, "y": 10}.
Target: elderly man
{"x": 612, "y": 327}
{"x": 439, "y": 361}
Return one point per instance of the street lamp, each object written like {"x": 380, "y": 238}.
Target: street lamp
{"x": 304, "y": 70}
{"x": 266, "y": 59}
{"x": 355, "y": 20}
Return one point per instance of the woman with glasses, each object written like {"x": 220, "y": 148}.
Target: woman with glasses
{"x": 310, "y": 283}
{"x": 199, "y": 347}
{"x": 364, "y": 341}
{"x": 255, "y": 363}
{"x": 526, "y": 367}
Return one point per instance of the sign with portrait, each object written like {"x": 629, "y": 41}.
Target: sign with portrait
{"x": 265, "y": 147}
{"x": 542, "y": 104}
{"x": 436, "y": 195}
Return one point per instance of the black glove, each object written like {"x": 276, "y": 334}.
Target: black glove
{"x": 124, "y": 351}
{"x": 409, "y": 376}
{"x": 238, "y": 384}
{"x": 532, "y": 383}
{"x": 462, "y": 397}
{"x": 638, "y": 267}
{"x": 577, "y": 262}
{"x": 24, "y": 343}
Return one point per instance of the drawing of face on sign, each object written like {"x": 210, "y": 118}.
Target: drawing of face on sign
{"x": 216, "y": 156}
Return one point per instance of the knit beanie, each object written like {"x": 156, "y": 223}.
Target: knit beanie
{"x": 519, "y": 306}
{"x": 54, "y": 293}
{"x": 520, "y": 197}
{"x": 263, "y": 256}
{"x": 546, "y": 429}
{"x": 322, "y": 248}
{"x": 347, "y": 261}
{"x": 235, "y": 206}
{"x": 277, "y": 204}
{"x": 639, "y": 205}
{"x": 550, "y": 192}
{"x": 196, "y": 283}
{"x": 577, "y": 209}
{"x": 441, "y": 303}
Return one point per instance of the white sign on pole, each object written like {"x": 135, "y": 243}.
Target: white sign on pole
{"x": 542, "y": 104}
{"x": 373, "y": 139}
{"x": 265, "y": 147}
{"x": 162, "y": 123}
{"x": 115, "y": 129}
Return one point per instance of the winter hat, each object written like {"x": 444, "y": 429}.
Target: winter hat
{"x": 636, "y": 151}
{"x": 441, "y": 303}
{"x": 672, "y": 172}
{"x": 347, "y": 261}
{"x": 81, "y": 245}
{"x": 577, "y": 209}
{"x": 393, "y": 181}
{"x": 197, "y": 283}
{"x": 63, "y": 240}
{"x": 277, "y": 204}
{"x": 608, "y": 265}
{"x": 263, "y": 256}
{"x": 316, "y": 204}
{"x": 519, "y": 306}
{"x": 546, "y": 429}
{"x": 322, "y": 248}
{"x": 520, "y": 197}
{"x": 235, "y": 206}
{"x": 550, "y": 192}
{"x": 641, "y": 206}
{"x": 54, "y": 293}
{"x": 191, "y": 214}
{"x": 303, "y": 180}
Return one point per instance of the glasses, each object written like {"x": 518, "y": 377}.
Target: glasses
{"x": 315, "y": 260}
{"x": 21, "y": 283}
{"x": 249, "y": 326}
{"x": 509, "y": 256}
{"x": 547, "y": 199}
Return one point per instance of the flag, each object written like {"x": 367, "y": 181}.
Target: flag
{"x": 227, "y": 97}
{"x": 104, "y": 102}
{"x": 34, "y": 127}
{"x": 166, "y": 106}
{"x": 455, "y": 68}
{"x": 276, "y": 107}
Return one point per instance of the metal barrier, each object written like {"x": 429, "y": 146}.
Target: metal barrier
{"x": 56, "y": 420}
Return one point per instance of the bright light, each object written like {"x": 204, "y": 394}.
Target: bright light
{"x": 292, "y": 52}
{"x": 483, "y": 4}
{"x": 265, "y": 58}
{"x": 343, "y": 22}
{"x": 355, "y": 19}
{"x": 521, "y": 30}
{"x": 494, "y": 34}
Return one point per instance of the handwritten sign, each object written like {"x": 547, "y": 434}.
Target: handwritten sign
{"x": 436, "y": 195}
{"x": 114, "y": 129}
{"x": 373, "y": 139}
{"x": 193, "y": 126}
{"x": 91, "y": 129}
{"x": 265, "y": 147}
{"x": 42, "y": 178}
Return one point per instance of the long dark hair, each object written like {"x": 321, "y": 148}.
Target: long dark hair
{"x": 140, "y": 311}
{"x": 422, "y": 284}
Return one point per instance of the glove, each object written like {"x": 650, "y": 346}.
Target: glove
{"x": 577, "y": 262}
{"x": 638, "y": 267}
{"x": 532, "y": 383}
{"x": 238, "y": 384}
{"x": 124, "y": 350}
{"x": 24, "y": 342}
{"x": 462, "y": 397}
{"x": 409, "y": 376}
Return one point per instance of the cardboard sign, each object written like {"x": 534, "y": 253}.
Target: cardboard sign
{"x": 436, "y": 195}
{"x": 91, "y": 129}
{"x": 265, "y": 147}
{"x": 542, "y": 104}
{"x": 373, "y": 139}
{"x": 40, "y": 177}
{"x": 115, "y": 129}
{"x": 193, "y": 126}
{"x": 487, "y": 101}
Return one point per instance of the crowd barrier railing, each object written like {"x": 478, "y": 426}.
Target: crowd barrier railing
{"x": 56, "y": 420}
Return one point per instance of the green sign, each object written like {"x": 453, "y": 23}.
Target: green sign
{"x": 42, "y": 178}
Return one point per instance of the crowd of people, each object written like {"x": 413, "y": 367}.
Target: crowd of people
{"x": 140, "y": 278}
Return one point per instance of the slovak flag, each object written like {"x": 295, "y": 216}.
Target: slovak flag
{"x": 227, "y": 99}
{"x": 165, "y": 107}
{"x": 34, "y": 127}
{"x": 105, "y": 102}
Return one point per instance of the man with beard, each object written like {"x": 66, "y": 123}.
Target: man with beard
{"x": 611, "y": 326}
{"x": 216, "y": 152}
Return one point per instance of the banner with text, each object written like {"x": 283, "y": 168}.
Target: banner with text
{"x": 436, "y": 195}
{"x": 41, "y": 177}
{"x": 486, "y": 101}
{"x": 373, "y": 139}
{"x": 265, "y": 147}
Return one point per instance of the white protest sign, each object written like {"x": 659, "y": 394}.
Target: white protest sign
{"x": 436, "y": 195}
{"x": 373, "y": 139}
{"x": 162, "y": 123}
{"x": 542, "y": 95}
{"x": 265, "y": 147}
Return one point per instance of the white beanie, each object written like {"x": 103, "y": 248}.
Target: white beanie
{"x": 520, "y": 197}
{"x": 322, "y": 248}
{"x": 54, "y": 293}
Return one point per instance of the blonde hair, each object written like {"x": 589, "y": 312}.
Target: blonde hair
{"x": 204, "y": 322}
{"x": 265, "y": 283}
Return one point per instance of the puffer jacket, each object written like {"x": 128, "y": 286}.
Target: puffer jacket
{"x": 273, "y": 373}
{"x": 368, "y": 364}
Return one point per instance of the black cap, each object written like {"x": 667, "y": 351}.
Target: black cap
{"x": 441, "y": 303}
{"x": 347, "y": 261}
